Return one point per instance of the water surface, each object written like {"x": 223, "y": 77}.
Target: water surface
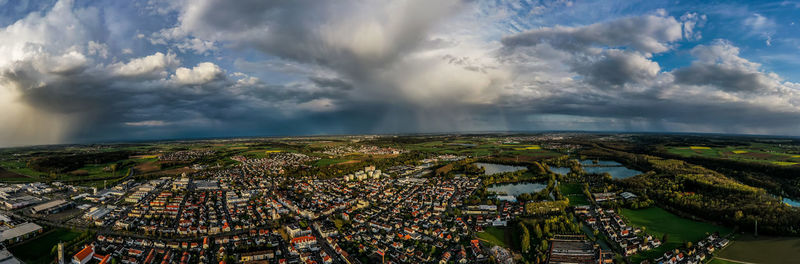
{"x": 616, "y": 169}
{"x": 492, "y": 168}
{"x": 560, "y": 170}
{"x": 515, "y": 189}
{"x": 791, "y": 202}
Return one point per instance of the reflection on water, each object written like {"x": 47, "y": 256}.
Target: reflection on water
{"x": 515, "y": 189}
{"x": 492, "y": 168}
{"x": 560, "y": 170}
{"x": 614, "y": 168}
{"x": 791, "y": 202}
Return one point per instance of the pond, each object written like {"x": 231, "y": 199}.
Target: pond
{"x": 492, "y": 168}
{"x": 515, "y": 189}
{"x": 614, "y": 168}
{"x": 560, "y": 170}
{"x": 600, "y": 162}
{"x": 616, "y": 172}
{"x": 791, "y": 202}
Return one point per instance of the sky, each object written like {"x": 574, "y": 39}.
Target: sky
{"x": 76, "y": 71}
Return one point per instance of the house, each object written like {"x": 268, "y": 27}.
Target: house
{"x": 83, "y": 256}
{"x": 628, "y": 196}
{"x": 602, "y": 197}
{"x": 304, "y": 242}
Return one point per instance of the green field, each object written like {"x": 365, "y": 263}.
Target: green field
{"x": 721, "y": 261}
{"x": 761, "y": 153}
{"x": 659, "y": 222}
{"x": 495, "y": 236}
{"x": 21, "y": 168}
{"x": 38, "y": 249}
{"x": 481, "y": 148}
{"x": 574, "y": 192}
{"x": 763, "y": 249}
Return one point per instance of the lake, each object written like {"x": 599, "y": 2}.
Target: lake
{"x": 560, "y": 170}
{"x": 614, "y": 168}
{"x": 791, "y": 202}
{"x": 492, "y": 168}
{"x": 600, "y": 162}
{"x": 515, "y": 189}
{"x": 616, "y": 172}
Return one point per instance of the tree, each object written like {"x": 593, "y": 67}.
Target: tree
{"x": 537, "y": 231}
{"x": 526, "y": 238}
{"x": 738, "y": 215}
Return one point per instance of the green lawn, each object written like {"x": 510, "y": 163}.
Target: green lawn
{"x": 659, "y": 222}
{"x": 38, "y": 249}
{"x": 763, "y": 249}
{"x": 574, "y": 192}
{"x": 495, "y": 236}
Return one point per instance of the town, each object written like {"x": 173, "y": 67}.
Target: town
{"x": 338, "y": 203}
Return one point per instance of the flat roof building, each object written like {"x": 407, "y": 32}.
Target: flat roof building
{"x": 573, "y": 249}
{"x": 51, "y": 207}
{"x": 20, "y": 232}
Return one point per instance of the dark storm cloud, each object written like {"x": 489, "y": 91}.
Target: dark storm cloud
{"x": 617, "y": 80}
{"x": 367, "y": 67}
{"x": 650, "y": 34}
{"x": 727, "y": 78}
{"x": 334, "y": 83}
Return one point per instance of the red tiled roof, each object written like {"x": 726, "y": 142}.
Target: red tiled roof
{"x": 85, "y": 252}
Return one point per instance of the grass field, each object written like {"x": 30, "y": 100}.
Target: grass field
{"x": 574, "y": 192}
{"x": 659, "y": 222}
{"x": 38, "y": 250}
{"x": 495, "y": 236}
{"x": 721, "y": 261}
{"x": 20, "y": 167}
{"x": 763, "y": 249}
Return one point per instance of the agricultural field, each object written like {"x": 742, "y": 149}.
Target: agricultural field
{"x": 757, "y": 152}
{"x": 19, "y": 168}
{"x": 680, "y": 230}
{"x": 327, "y": 162}
{"x": 483, "y": 148}
{"x": 764, "y": 249}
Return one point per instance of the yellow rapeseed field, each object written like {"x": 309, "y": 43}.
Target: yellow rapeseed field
{"x": 529, "y": 147}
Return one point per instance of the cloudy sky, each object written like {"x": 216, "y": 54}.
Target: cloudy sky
{"x": 89, "y": 70}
